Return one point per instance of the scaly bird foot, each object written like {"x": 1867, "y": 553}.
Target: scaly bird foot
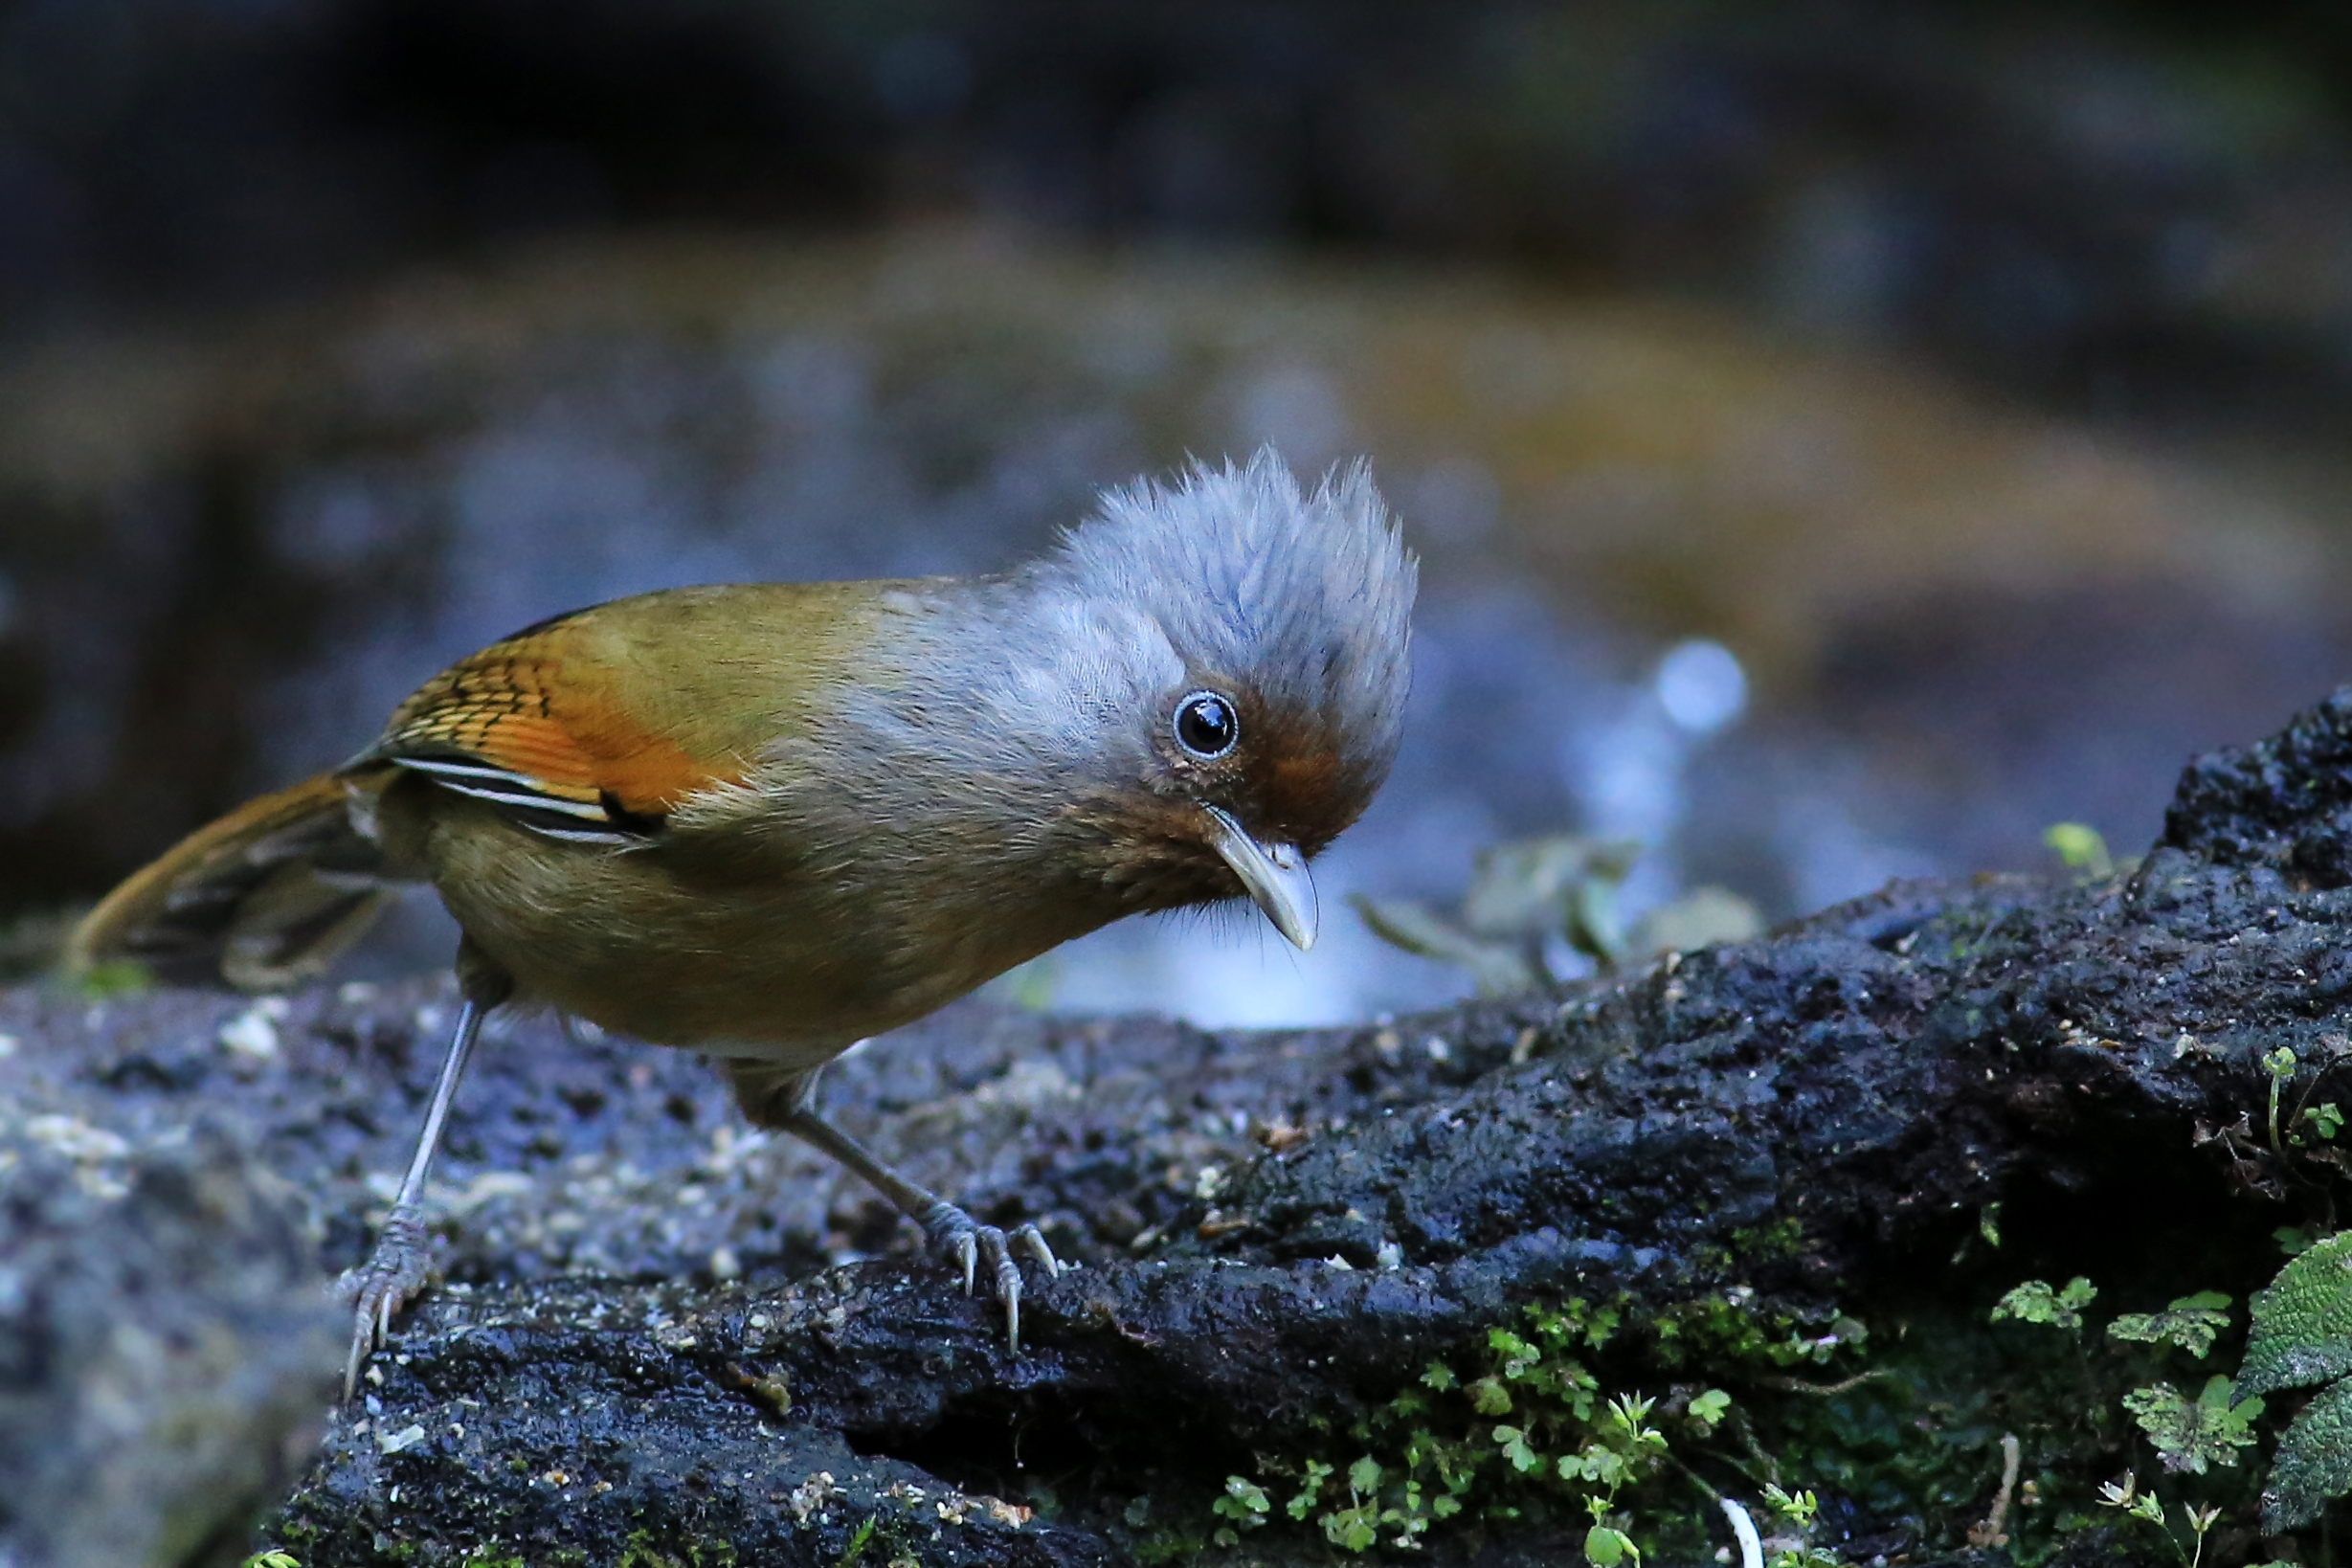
{"x": 393, "y": 1275}
{"x": 959, "y": 1240}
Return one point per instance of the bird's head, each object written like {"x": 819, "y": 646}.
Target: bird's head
{"x": 1238, "y": 651}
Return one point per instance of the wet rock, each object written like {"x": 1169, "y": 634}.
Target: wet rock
{"x": 565, "y": 1439}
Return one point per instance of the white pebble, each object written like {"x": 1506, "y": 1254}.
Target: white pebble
{"x": 392, "y": 1442}
{"x": 253, "y": 1034}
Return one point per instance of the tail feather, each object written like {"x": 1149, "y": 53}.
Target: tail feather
{"x": 263, "y": 899}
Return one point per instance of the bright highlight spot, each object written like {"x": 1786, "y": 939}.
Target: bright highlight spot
{"x": 1701, "y": 686}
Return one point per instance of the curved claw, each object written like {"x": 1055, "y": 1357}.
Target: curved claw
{"x": 393, "y": 1275}
{"x": 966, "y": 1245}
{"x": 1007, "y": 1274}
{"x": 1032, "y": 1241}
{"x": 963, "y": 1242}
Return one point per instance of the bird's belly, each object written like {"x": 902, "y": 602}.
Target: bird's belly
{"x": 790, "y": 970}
{"x": 777, "y": 988}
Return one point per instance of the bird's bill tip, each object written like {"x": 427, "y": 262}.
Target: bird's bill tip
{"x": 1274, "y": 874}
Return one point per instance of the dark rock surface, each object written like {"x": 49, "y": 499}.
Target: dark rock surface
{"x": 669, "y": 1334}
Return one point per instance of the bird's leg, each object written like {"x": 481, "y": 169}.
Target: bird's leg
{"x": 788, "y": 1103}
{"x": 397, "y": 1270}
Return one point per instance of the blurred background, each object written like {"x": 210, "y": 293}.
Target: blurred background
{"x": 1845, "y": 439}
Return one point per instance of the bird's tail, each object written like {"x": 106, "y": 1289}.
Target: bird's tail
{"x": 262, "y": 900}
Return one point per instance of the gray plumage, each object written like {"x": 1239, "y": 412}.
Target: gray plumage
{"x": 1306, "y": 598}
{"x": 1062, "y": 675}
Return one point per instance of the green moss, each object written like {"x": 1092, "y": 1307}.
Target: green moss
{"x": 1518, "y": 1427}
{"x": 857, "y": 1543}
{"x": 1734, "y": 1329}
{"x": 1780, "y": 1240}
{"x": 1621, "y": 1426}
{"x": 1920, "y": 1436}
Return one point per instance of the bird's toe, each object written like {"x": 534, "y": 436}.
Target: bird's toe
{"x": 393, "y": 1275}
{"x": 976, "y": 1250}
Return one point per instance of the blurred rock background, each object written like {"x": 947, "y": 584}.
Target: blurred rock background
{"x": 1845, "y": 439}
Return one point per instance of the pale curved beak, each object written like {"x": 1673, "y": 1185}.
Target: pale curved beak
{"x": 1275, "y": 875}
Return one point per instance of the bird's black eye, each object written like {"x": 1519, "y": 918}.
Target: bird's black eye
{"x": 1205, "y": 725}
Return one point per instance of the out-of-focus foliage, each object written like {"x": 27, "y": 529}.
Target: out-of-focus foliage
{"x": 2081, "y": 847}
{"x": 1532, "y": 902}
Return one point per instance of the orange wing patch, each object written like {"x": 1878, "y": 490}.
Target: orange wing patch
{"x": 522, "y": 725}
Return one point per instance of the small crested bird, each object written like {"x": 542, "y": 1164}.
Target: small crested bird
{"x": 763, "y": 821}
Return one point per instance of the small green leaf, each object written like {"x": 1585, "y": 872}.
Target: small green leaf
{"x": 1602, "y": 1467}
{"x": 2036, "y": 1302}
{"x": 1364, "y": 1475}
{"x": 2193, "y": 1436}
{"x": 2191, "y": 1322}
{"x": 1245, "y": 1502}
{"x": 2325, "y": 1119}
{"x": 1490, "y": 1397}
{"x": 1352, "y": 1530}
{"x": 1627, "y": 1412}
{"x": 2302, "y": 1323}
{"x": 2080, "y": 847}
{"x": 1707, "y": 1408}
{"x": 1606, "y": 1548}
{"x": 1517, "y": 1352}
{"x": 1593, "y": 928}
{"x": 1497, "y": 969}
{"x": 1438, "y": 1377}
{"x": 1310, "y": 1489}
{"x": 1515, "y": 1446}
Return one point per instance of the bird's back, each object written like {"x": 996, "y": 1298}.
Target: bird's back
{"x": 603, "y": 718}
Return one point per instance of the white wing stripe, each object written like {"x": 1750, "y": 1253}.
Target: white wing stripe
{"x": 583, "y": 836}
{"x": 529, "y": 802}
{"x": 465, "y": 770}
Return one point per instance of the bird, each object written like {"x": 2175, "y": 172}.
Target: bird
{"x": 765, "y": 821}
